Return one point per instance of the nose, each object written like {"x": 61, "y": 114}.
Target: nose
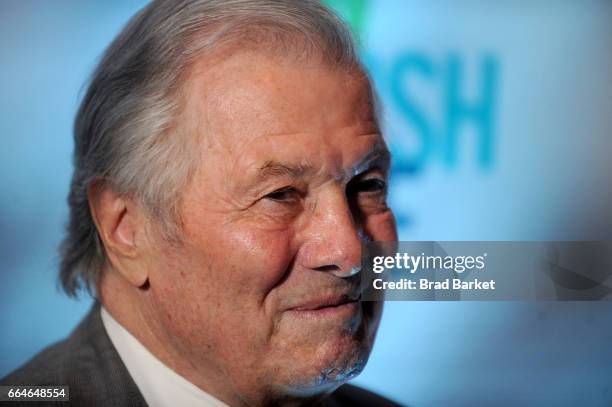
{"x": 333, "y": 239}
{"x": 354, "y": 270}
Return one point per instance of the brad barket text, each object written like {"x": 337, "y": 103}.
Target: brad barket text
{"x": 425, "y": 284}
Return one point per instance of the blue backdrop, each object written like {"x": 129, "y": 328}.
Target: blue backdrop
{"x": 498, "y": 115}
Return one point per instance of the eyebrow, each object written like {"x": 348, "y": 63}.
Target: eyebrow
{"x": 378, "y": 154}
{"x": 270, "y": 169}
{"x": 274, "y": 168}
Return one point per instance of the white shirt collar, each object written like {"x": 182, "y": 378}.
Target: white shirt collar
{"x": 159, "y": 385}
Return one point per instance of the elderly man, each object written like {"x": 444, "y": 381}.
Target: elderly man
{"x": 228, "y": 167}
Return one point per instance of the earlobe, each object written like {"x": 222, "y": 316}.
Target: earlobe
{"x": 120, "y": 223}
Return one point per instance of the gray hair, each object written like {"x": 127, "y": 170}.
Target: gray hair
{"x": 123, "y": 131}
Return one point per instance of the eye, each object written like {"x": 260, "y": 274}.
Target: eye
{"x": 368, "y": 185}
{"x": 286, "y": 194}
{"x": 371, "y": 185}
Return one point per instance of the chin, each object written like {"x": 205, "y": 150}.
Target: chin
{"x": 327, "y": 367}
{"x": 322, "y": 358}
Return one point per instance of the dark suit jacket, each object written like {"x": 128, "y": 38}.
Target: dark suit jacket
{"x": 88, "y": 362}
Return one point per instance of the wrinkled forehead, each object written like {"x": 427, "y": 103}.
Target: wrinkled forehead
{"x": 249, "y": 94}
{"x": 250, "y": 108}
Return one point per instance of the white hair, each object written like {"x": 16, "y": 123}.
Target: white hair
{"x": 123, "y": 131}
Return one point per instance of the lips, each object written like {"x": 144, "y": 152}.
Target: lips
{"x": 321, "y": 303}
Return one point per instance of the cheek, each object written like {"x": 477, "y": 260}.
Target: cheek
{"x": 260, "y": 257}
{"x": 240, "y": 260}
{"x": 215, "y": 286}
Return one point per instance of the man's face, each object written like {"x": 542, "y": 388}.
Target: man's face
{"x": 292, "y": 176}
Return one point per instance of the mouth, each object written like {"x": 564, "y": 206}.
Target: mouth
{"x": 327, "y": 307}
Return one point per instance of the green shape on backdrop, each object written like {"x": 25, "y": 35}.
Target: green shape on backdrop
{"x": 353, "y": 11}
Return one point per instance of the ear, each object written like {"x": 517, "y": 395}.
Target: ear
{"x": 121, "y": 225}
